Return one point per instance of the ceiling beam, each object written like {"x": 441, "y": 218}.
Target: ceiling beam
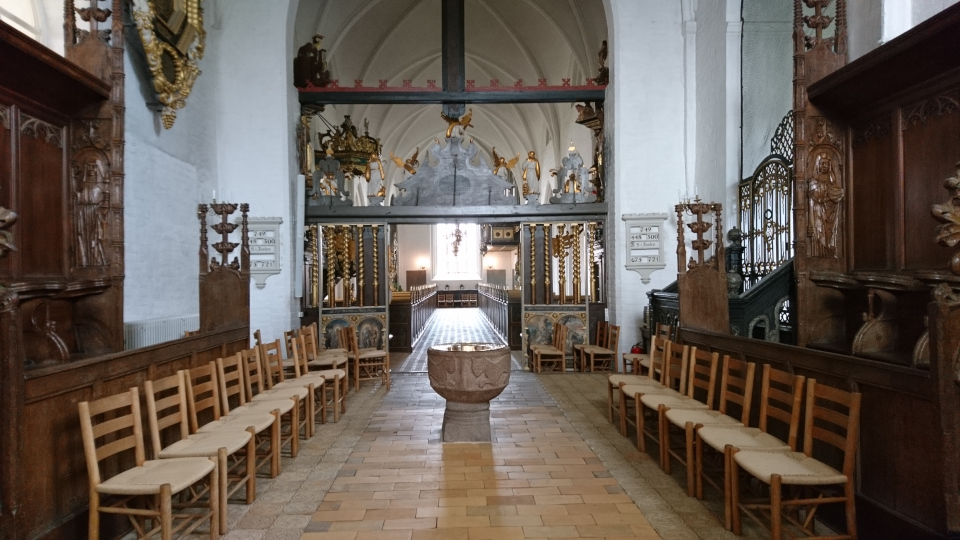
{"x": 454, "y": 55}
{"x": 394, "y": 97}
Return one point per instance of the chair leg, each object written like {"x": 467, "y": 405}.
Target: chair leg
{"x": 311, "y": 415}
{"x": 166, "y": 508}
{"x": 609, "y": 402}
{"x": 690, "y": 431}
{"x": 275, "y": 445}
{"x": 345, "y": 381}
{"x": 734, "y": 490}
{"x": 698, "y": 465}
{"x": 93, "y": 525}
{"x": 221, "y": 494}
{"x": 336, "y": 401}
{"x": 776, "y": 510}
{"x": 623, "y": 413}
{"x": 664, "y": 433}
{"x": 356, "y": 375}
{"x": 851, "y": 508}
{"x": 641, "y": 425}
{"x": 251, "y": 467}
{"x": 323, "y": 401}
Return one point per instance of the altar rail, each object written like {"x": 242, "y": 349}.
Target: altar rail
{"x": 53, "y": 504}
{"x": 901, "y": 479}
{"x": 409, "y": 313}
{"x": 501, "y": 307}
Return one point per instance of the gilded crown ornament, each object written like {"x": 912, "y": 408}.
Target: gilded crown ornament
{"x": 351, "y": 149}
{"x": 173, "y": 40}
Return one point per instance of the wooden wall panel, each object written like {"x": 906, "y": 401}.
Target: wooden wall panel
{"x": 874, "y": 199}
{"x": 41, "y": 198}
{"x": 931, "y": 148}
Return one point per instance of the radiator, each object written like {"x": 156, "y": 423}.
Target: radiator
{"x": 139, "y": 334}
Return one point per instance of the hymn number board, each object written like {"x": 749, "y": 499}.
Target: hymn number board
{"x": 644, "y": 243}
{"x": 264, "y": 249}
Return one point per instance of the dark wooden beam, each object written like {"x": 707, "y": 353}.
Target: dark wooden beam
{"x": 333, "y": 97}
{"x": 487, "y": 214}
{"x": 454, "y": 55}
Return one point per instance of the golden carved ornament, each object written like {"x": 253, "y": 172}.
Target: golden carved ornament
{"x": 173, "y": 40}
{"x": 351, "y": 149}
{"x": 948, "y": 213}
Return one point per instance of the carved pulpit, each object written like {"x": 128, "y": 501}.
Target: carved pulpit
{"x": 702, "y": 281}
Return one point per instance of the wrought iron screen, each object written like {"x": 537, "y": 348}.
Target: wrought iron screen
{"x": 765, "y": 202}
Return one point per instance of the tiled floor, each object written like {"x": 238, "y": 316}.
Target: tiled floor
{"x": 557, "y": 469}
{"x": 453, "y": 325}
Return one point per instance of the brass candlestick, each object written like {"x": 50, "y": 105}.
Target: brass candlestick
{"x": 533, "y": 264}
{"x": 376, "y": 265}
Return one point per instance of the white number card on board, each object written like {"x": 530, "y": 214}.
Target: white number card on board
{"x": 264, "y": 249}
{"x": 645, "y": 243}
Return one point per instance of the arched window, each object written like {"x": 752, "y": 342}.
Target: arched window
{"x": 456, "y": 252}
{"x": 22, "y": 15}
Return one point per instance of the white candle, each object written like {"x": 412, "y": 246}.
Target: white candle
{"x": 214, "y": 195}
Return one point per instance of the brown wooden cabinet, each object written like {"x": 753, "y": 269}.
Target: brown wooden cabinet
{"x": 416, "y": 278}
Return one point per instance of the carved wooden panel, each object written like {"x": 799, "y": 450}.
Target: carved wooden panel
{"x": 41, "y": 201}
{"x": 874, "y": 152}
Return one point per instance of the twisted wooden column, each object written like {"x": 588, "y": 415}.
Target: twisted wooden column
{"x": 362, "y": 260}
{"x": 331, "y": 255}
{"x": 533, "y": 263}
{"x": 560, "y": 247}
{"x": 376, "y": 265}
{"x": 547, "y": 291}
{"x": 315, "y": 270}
{"x": 591, "y": 236}
{"x": 577, "y": 232}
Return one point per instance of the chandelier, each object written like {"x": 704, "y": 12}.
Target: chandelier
{"x": 351, "y": 149}
{"x": 456, "y": 238}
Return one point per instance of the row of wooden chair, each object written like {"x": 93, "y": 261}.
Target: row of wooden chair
{"x": 367, "y": 364}
{"x": 254, "y": 412}
{"x": 449, "y": 299}
{"x": 681, "y": 389}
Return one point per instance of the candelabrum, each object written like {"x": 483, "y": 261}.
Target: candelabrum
{"x": 701, "y": 243}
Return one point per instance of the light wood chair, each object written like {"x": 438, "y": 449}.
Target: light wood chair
{"x": 553, "y": 340}
{"x": 599, "y": 341}
{"x": 701, "y": 384}
{"x": 144, "y": 492}
{"x": 232, "y": 388}
{"x": 639, "y": 363}
{"x": 326, "y": 358}
{"x": 369, "y": 364}
{"x": 832, "y": 419}
{"x": 673, "y": 382}
{"x": 555, "y": 356}
{"x": 336, "y": 379}
{"x": 258, "y": 389}
{"x": 736, "y": 387}
{"x": 652, "y": 377}
{"x": 235, "y": 451}
{"x": 780, "y": 397}
{"x": 203, "y": 401}
{"x": 603, "y": 358}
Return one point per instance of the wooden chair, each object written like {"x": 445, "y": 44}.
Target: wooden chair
{"x": 736, "y": 386}
{"x": 203, "y": 400}
{"x": 832, "y": 419}
{"x": 673, "y": 382}
{"x": 652, "y": 377}
{"x": 701, "y": 383}
{"x": 579, "y": 360}
{"x": 553, "y": 340}
{"x": 257, "y": 337}
{"x": 257, "y": 385}
{"x": 336, "y": 379}
{"x": 780, "y": 396}
{"x": 232, "y": 388}
{"x": 235, "y": 451}
{"x": 368, "y": 364}
{"x": 555, "y": 356}
{"x": 111, "y": 426}
{"x": 603, "y": 358}
{"x": 640, "y": 362}
{"x": 323, "y": 359}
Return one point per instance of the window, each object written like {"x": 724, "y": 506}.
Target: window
{"x": 456, "y": 251}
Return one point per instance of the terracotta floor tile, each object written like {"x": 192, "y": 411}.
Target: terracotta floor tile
{"x": 412, "y": 523}
{"x": 441, "y": 511}
{"x": 453, "y": 522}
{"x": 384, "y": 535}
{"x": 442, "y": 534}
{"x": 515, "y": 521}
{"x": 575, "y": 519}
{"x": 541, "y": 510}
{"x": 496, "y": 533}
{"x": 561, "y": 531}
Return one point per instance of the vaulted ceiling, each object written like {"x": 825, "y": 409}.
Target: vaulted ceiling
{"x": 508, "y": 40}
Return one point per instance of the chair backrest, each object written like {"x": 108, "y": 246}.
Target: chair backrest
{"x": 231, "y": 382}
{"x": 601, "y": 339}
{"x": 272, "y": 361}
{"x": 202, "y": 393}
{"x": 348, "y": 338}
{"x": 120, "y": 430}
{"x": 310, "y": 342}
{"x": 674, "y": 372}
{"x": 252, "y": 368}
{"x": 288, "y": 336}
{"x": 658, "y": 356}
{"x": 166, "y": 408}
{"x": 300, "y": 356}
{"x": 702, "y": 374}
{"x": 560, "y": 333}
{"x": 736, "y": 386}
{"x": 613, "y": 338}
{"x": 827, "y": 422}
{"x": 662, "y": 332}
{"x": 257, "y": 337}
{"x": 780, "y": 396}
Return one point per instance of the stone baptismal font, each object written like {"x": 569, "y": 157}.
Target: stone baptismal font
{"x": 468, "y": 376}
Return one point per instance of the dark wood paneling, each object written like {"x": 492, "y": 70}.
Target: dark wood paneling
{"x": 41, "y": 193}
{"x": 931, "y": 148}
{"x": 874, "y": 204}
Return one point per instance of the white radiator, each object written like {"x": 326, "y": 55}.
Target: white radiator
{"x": 139, "y": 334}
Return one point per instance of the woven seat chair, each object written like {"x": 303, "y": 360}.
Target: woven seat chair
{"x": 554, "y": 356}
{"x": 326, "y": 358}
{"x": 599, "y": 341}
{"x": 780, "y": 398}
{"x": 736, "y": 386}
{"x": 652, "y": 377}
{"x": 701, "y": 382}
{"x": 232, "y": 389}
{"x": 235, "y": 451}
{"x": 335, "y": 379}
{"x": 258, "y": 384}
{"x": 673, "y": 382}
{"x": 798, "y": 482}
{"x": 603, "y": 358}
{"x": 553, "y": 340}
{"x": 639, "y": 363}
{"x": 369, "y": 364}
{"x": 111, "y": 426}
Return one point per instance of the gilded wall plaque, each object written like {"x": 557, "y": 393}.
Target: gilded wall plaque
{"x": 172, "y": 35}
